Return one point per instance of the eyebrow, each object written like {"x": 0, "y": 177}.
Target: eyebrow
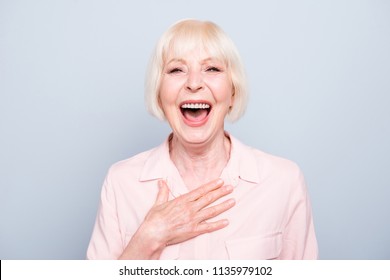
{"x": 208, "y": 59}
{"x": 176, "y": 60}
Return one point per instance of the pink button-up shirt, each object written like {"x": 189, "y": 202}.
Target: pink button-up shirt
{"x": 272, "y": 217}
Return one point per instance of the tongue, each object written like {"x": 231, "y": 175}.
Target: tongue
{"x": 195, "y": 115}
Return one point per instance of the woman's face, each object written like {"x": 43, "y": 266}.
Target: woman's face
{"x": 195, "y": 95}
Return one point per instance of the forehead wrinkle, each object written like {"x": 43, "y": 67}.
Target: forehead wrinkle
{"x": 202, "y": 61}
{"x": 174, "y": 59}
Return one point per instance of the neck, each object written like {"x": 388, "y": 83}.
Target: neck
{"x": 200, "y": 163}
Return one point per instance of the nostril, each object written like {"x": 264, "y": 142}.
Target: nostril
{"x": 194, "y": 83}
{"x": 194, "y": 88}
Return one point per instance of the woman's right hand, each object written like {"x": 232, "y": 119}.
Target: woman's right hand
{"x": 170, "y": 222}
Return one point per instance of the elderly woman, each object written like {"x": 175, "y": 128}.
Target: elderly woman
{"x": 201, "y": 194}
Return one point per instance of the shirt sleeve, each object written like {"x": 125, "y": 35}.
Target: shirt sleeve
{"x": 299, "y": 239}
{"x": 106, "y": 241}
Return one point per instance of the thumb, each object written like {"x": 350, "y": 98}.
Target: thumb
{"x": 163, "y": 193}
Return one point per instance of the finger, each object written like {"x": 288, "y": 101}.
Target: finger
{"x": 203, "y": 190}
{"x": 214, "y": 211}
{"x": 207, "y": 227}
{"x": 212, "y": 196}
{"x": 163, "y": 193}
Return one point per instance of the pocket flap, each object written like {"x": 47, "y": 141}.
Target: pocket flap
{"x": 262, "y": 247}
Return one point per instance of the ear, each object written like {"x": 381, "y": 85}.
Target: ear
{"x": 232, "y": 97}
{"x": 159, "y": 102}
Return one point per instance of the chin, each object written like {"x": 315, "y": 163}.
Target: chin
{"x": 198, "y": 135}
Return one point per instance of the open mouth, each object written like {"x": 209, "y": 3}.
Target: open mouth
{"x": 195, "y": 113}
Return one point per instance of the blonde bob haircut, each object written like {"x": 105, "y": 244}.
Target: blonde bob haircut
{"x": 188, "y": 35}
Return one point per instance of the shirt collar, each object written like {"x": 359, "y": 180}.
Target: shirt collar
{"x": 158, "y": 164}
{"x": 242, "y": 163}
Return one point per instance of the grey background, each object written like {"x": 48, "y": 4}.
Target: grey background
{"x": 71, "y": 104}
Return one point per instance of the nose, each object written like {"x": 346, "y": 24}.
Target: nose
{"x": 194, "y": 81}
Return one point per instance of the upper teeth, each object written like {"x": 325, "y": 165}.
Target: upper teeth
{"x": 195, "y": 106}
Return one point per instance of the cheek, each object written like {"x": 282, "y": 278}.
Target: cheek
{"x": 165, "y": 103}
{"x": 166, "y": 95}
{"x": 225, "y": 94}
{"x": 222, "y": 89}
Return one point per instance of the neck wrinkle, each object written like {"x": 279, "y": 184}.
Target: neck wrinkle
{"x": 201, "y": 161}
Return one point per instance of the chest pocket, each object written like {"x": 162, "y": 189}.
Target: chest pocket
{"x": 263, "y": 247}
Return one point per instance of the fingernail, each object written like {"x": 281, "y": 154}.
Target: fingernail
{"x": 228, "y": 188}
{"x": 219, "y": 181}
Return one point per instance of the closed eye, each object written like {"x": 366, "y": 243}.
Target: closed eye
{"x": 175, "y": 70}
{"x": 213, "y": 69}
